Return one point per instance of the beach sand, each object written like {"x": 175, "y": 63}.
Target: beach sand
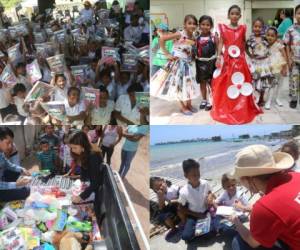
{"x": 137, "y": 180}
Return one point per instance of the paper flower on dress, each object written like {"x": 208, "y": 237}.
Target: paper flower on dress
{"x": 239, "y": 86}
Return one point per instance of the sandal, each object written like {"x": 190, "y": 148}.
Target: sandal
{"x": 208, "y": 107}
{"x": 203, "y": 104}
{"x": 187, "y": 112}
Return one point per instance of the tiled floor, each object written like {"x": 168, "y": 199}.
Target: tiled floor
{"x": 163, "y": 112}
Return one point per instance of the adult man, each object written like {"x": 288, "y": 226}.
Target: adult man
{"x": 275, "y": 217}
{"x": 11, "y": 186}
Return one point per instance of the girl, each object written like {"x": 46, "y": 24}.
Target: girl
{"x": 231, "y": 88}
{"x": 179, "y": 82}
{"x": 291, "y": 39}
{"x": 278, "y": 65}
{"x": 90, "y": 164}
{"x": 111, "y": 136}
{"x": 60, "y": 89}
{"x": 75, "y": 109}
{"x": 257, "y": 49}
{"x": 167, "y": 192}
{"x": 206, "y": 58}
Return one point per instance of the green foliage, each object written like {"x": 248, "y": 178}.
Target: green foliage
{"x": 8, "y": 4}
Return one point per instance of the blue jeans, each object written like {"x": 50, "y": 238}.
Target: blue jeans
{"x": 189, "y": 229}
{"x": 239, "y": 244}
{"x": 126, "y": 159}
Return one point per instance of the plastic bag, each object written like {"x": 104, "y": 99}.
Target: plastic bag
{"x": 110, "y": 52}
{"x": 129, "y": 63}
{"x": 33, "y": 72}
{"x": 39, "y": 90}
{"x": 80, "y": 73}
{"x": 55, "y": 109}
{"x": 57, "y": 63}
{"x": 7, "y": 76}
{"x": 90, "y": 96}
{"x": 14, "y": 53}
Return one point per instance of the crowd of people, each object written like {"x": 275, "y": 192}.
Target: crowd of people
{"x": 233, "y": 71}
{"x": 91, "y": 67}
{"x": 273, "y": 176}
{"x": 67, "y": 151}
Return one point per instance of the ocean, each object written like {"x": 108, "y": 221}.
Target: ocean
{"x": 215, "y": 158}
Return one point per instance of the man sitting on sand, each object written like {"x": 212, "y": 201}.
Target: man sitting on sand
{"x": 275, "y": 217}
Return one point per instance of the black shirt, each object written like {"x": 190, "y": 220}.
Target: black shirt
{"x": 93, "y": 173}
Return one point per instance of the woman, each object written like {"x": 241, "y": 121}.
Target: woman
{"x": 286, "y": 22}
{"x": 275, "y": 216}
{"x": 133, "y": 135}
{"x": 90, "y": 164}
{"x": 111, "y": 136}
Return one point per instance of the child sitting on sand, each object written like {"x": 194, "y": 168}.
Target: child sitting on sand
{"x": 167, "y": 195}
{"x": 292, "y": 148}
{"x": 193, "y": 198}
{"x": 233, "y": 198}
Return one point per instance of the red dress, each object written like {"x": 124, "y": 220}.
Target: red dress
{"x": 233, "y": 101}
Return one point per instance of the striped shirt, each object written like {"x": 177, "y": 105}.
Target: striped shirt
{"x": 47, "y": 159}
{"x": 5, "y": 164}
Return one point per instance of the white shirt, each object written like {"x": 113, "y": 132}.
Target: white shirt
{"x": 133, "y": 34}
{"x": 75, "y": 110}
{"x": 225, "y": 200}
{"x": 123, "y": 105}
{"x": 59, "y": 94}
{"x": 195, "y": 197}
{"x": 19, "y": 102}
{"x": 4, "y": 102}
{"x": 172, "y": 193}
{"x": 122, "y": 89}
{"x": 101, "y": 116}
{"x": 22, "y": 79}
{"x": 111, "y": 88}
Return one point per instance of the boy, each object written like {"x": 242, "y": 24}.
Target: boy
{"x": 46, "y": 156}
{"x": 49, "y": 136}
{"x": 193, "y": 197}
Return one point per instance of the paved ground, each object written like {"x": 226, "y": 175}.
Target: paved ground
{"x": 163, "y": 112}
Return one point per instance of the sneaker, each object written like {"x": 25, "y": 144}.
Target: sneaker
{"x": 278, "y": 102}
{"x": 293, "y": 104}
{"x": 208, "y": 107}
{"x": 268, "y": 106}
{"x": 203, "y": 104}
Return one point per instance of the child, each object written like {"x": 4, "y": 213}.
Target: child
{"x": 278, "y": 65}
{"x": 60, "y": 89}
{"x": 206, "y": 45}
{"x": 46, "y": 157}
{"x": 159, "y": 59}
{"x": 103, "y": 113}
{"x": 231, "y": 196}
{"x": 292, "y": 148}
{"x": 6, "y": 107}
{"x": 50, "y": 137}
{"x": 75, "y": 109}
{"x": 257, "y": 49}
{"x": 167, "y": 195}
{"x": 19, "y": 91}
{"x": 180, "y": 84}
{"x": 233, "y": 101}
{"x": 123, "y": 84}
{"x": 65, "y": 154}
{"x": 107, "y": 82}
{"x": 292, "y": 39}
{"x": 193, "y": 197}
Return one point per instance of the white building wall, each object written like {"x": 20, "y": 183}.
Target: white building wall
{"x": 177, "y": 9}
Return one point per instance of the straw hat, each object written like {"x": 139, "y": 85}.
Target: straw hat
{"x": 257, "y": 160}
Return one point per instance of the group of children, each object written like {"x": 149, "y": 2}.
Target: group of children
{"x": 76, "y": 70}
{"x": 234, "y": 71}
{"x": 181, "y": 207}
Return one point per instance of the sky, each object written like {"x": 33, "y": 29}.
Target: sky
{"x": 176, "y": 132}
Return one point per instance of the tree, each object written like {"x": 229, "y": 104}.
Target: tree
{"x": 8, "y": 4}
